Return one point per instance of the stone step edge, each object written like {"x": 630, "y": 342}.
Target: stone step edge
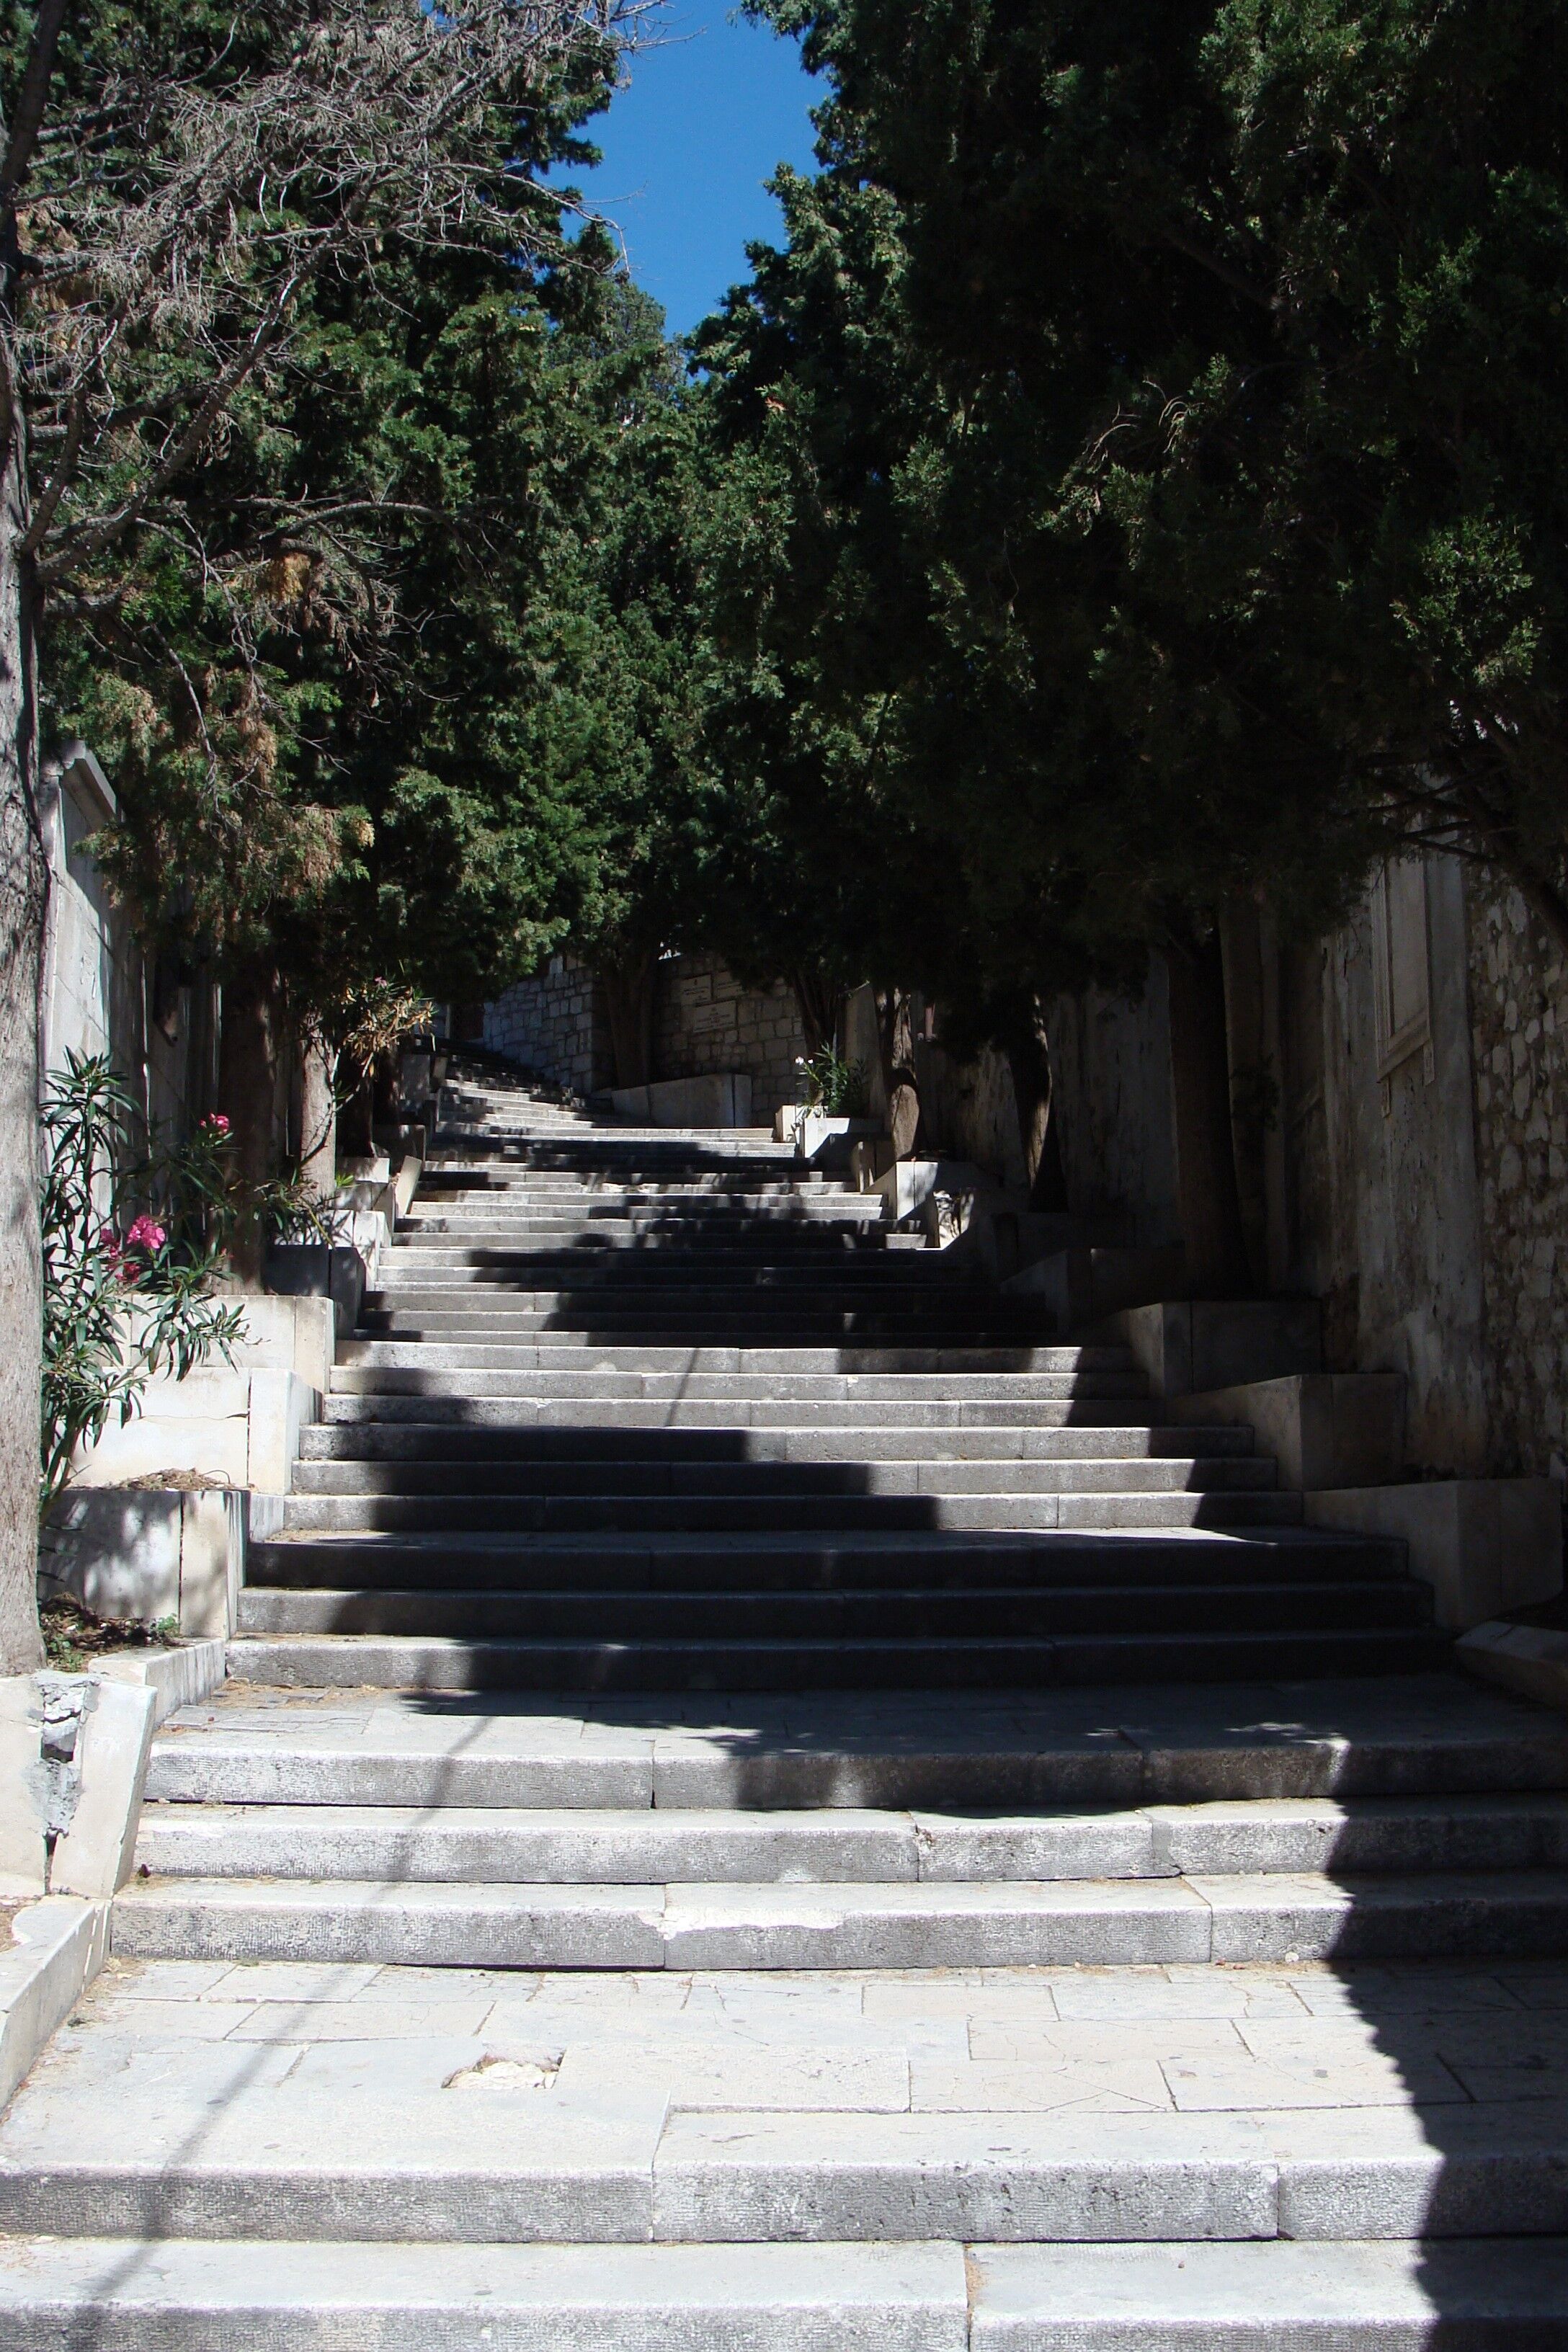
{"x": 1245, "y": 1919}
{"x": 924, "y": 2295}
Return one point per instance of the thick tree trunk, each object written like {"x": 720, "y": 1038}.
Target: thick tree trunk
{"x": 318, "y": 1117}
{"x": 24, "y": 883}
{"x": 1030, "y": 1060}
{"x": 1200, "y": 1092}
{"x": 895, "y": 1046}
{"x": 628, "y": 1001}
{"x": 248, "y": 1054}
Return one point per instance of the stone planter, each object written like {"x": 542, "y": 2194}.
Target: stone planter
{"x": 318, "y": 1270}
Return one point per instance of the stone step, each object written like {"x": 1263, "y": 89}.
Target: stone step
{"x": 826, "y": 1846}
{"x": 411, "y": 1443}
{"x": 565, "y": 1352}
{"x": 741, "y": 1326}
{"x": 600, "y": 1476}
{"x": 1199, "y": 1503}
{"x": 1510, "y": 2294}
{"x": 428, "y": 1662}
{"x": 514, "y": 1404}
{"x": 183, "y": 2295}
{"x": 932, "y": 1561}
{"x": 601, "y": 1379}
{"x": 1107, "y": 1748}
{"x": 898, "y": 1616}
{"x": 194, "y": 2294}
{"x": 1238, "y": 1919}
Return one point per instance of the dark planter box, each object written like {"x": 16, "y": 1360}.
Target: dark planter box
{"x": 318, "y": 1270}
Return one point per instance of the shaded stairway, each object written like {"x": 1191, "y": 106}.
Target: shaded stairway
{"x": 642, "y": 1409}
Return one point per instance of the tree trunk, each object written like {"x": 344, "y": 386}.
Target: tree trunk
{"x": 895, "y": 1047}
{"x": 1030, "y": 1060}
{"x": 819, "y": 1001}
{"x": 318, "y": 1117}
{"x": 24, "y": 889}
{"x": 628, "y": 1001}
{"x": 247, "y": 1089}
{"x": 1200, "y": 1094}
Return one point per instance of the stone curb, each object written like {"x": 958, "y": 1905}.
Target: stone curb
{"x": 1529, "y": 1659}
{"x": 177, "y": 1678}
{"x": 60, "y": 1947}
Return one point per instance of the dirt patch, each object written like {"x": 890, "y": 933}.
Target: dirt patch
{"x": 73, "y": 1636}
{"x": 174, "y": 1482}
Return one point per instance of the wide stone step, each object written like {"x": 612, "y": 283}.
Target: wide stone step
{"x": 1115, "y": 1749}
{"x": 162, "y": 2295}
{"x": 1238, "y": 1919}
{"x": 519, "y": 1407}
{"x": 601, "y": 1378}
{"x": 565, "y": 1353}
{"x": 740, "y": 1326}
{"x": 1164, "y": 1506}
{"x": 848, "y": 1449}
{"x": 194, "y": 2294}
{"x": 932, "y": 1561}
{"x": 427, "y": 1662}
{"x": 894, "y": 1614}
{"x": 1149, "y": 1474}
{"x": 629, "y": 1847}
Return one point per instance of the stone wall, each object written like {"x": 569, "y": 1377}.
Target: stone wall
{"x": 1519, "y": 1008}
{"x": 555, "y": 1025}
{"x": 1111, "y": 1063}
{"x": 1374, "y": 1206}
{"x": 706, "y": 1023}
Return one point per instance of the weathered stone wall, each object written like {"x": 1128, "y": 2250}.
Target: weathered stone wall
{"x": 969, "y": 1111}
{"x": 706, "y": 1023}
{"x": 554, "y": 1024}
{"x": 1519, "y": 1008}
{"x": 1110, "y": 1065}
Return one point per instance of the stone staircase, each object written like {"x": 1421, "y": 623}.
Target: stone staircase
{"x": 643, "y": 1411}
{"x": 762, "y": 1810}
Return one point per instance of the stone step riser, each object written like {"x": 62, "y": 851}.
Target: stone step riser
{"x": 1233, "y": 1920}
{"x": 344, "y": 1565}
{"x": 195, "y": 2295}
{"x": 787, "y": 1481}
{"x": 632, "y": 1848}
{"x": 423, "y": 1662}
{"x": 740, "y": 1515}
{"x": 892, "y": 1615}
{"x": 412, "y": 1443}
{"x": 385, "y": 1410}
{"x": 1098, "y": 1376}
{"x": 1017, "y": 1389}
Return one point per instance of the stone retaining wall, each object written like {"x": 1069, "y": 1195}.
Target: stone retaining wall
{"x": 554, "y": 1024}
{"x": 1519, "y": 1008}
{"x": 705, "y": 1021}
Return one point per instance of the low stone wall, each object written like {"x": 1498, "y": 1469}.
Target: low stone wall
{"x": 1518, "y": 1012}
{"x": 554, "y": 1024}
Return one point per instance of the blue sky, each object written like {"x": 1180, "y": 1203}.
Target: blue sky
{"x": 708, "y": 115}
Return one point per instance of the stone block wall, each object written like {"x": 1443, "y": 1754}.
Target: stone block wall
{"x": 705, "y": 1021}
{"x": 554, "y": 1024}
{"x": 1519, "y": 1007}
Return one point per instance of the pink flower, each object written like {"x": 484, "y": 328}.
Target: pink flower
{"x": 146, "y": 1233}
{"x": 217, "y": 1121}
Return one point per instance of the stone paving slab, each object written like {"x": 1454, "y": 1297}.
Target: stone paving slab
{"x": 312, "y": 2101}
{"x": 153, "y": 2296}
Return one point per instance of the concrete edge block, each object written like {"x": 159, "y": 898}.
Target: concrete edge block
{"x": 1484, "y": 1545}
{"x": 1324, "y": 1430}
{"x": 177, "y": 1678}
{"x": 96, "y": 1854}
{"x": 1530, "y": 1660}
{"x": 59, "y": 1949}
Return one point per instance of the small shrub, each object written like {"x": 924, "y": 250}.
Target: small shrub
{"x": 836, "y": 1087}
